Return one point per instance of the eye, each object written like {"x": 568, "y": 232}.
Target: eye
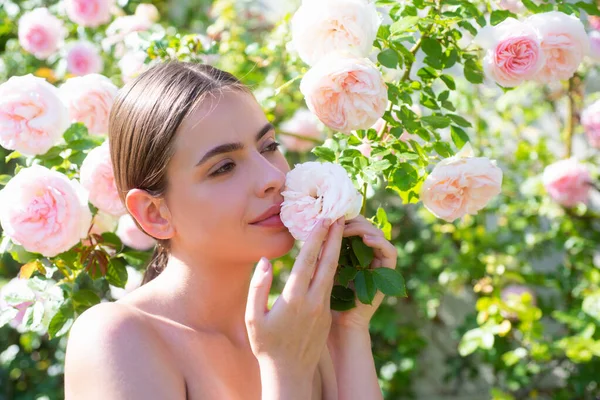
{"x": 224, "y": 169}
{"x": 272, "y": 147}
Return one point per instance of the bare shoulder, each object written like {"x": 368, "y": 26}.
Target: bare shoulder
{"x": 113, "y": 352}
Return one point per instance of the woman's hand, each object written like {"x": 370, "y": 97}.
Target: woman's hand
{"x": 385, "y": 256}
{"x": 288, "y": 339}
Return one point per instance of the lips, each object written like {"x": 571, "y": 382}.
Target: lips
{"x": 270, "y": 217}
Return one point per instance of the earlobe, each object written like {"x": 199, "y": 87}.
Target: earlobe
{"x": 151, "y": 213}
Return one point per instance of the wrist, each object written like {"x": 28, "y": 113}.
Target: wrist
{"x": 282, "y": 382}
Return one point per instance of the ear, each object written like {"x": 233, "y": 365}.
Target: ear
{"x": 151, "y": 213}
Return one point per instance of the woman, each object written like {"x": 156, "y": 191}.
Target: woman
{"x": 197, "y": 166}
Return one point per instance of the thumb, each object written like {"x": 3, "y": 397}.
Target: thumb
{"x": 258, "y": 294}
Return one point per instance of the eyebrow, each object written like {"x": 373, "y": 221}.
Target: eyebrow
{"x": 230, "y": 147}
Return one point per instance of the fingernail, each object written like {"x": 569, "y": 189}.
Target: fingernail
{"x": 265, "y": 264}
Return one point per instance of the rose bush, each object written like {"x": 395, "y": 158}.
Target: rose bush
{"x": 412, "y": 67}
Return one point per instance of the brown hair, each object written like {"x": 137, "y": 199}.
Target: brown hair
{"x": 142, "y": 125}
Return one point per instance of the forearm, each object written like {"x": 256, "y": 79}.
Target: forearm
{"x": 352, "y": 358}
{"x": 277, "y": 384}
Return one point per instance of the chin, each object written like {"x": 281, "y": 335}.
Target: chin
{"x": 278, "y": 245}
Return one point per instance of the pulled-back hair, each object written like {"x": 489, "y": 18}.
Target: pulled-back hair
{"x": 142, "y": 125}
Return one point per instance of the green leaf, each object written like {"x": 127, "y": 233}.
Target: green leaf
{"x": 383, "y": 223}
{"x": 443, "y": 149}
{"x": 405, "y": 177}
{"x": 86, "y": 297}
{"x": 473, "y": 72}
{"x": 403, "y": 24}
{"x": 498, "y": 16}
{"x": 449, "y": 81}
{"x": 432, "y": 48}
{"x": 116, "y": 273}
{"x": 346, "y": 274}
{"x": 61, "y": 321}
{"x": 113, "y": 239}
{"x": 458, "y": 120}
{"x": 341, "y": 305}
{"x": 389, "y": 281}
{"x": 75, "y": 131}
{"x": 388, "y": 58}
{"x": 437, "y": 121}
{"x": 14, "y": 154}
{"x": 459, "y": 136}
{"x": 4, "y": 179}
{"x": 589, "y": 8}
{"x": 342, "y": 293}
{"x": 365, "y": 286}
{"x": 324, "y": 153}
{"x": 363, "y": 253}
{"x": 136, "y": 258}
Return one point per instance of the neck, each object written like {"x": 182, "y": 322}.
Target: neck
{"x": 208, "y": 296}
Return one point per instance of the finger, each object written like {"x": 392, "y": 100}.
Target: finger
{"x": 361, "y": 229}
{"x": 258, "y": 294}
{"x": 388, "y": 251}
{"x": 306, "y": 262}
{"x": 323, "y": 281}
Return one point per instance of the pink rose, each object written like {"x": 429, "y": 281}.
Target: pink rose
{"x": 18, "y": 287}
{"x": 513, "y": 52}
{"x": 567, "y": 182}
{"x": 32, "y": 116}
{"x": 314, "y": 191}
{"x": 595, "y": 44}
{"x": 41, "y": 33}
{"x": 460, "y": 185}
{"x": 103, "y": 222}
{"x": 123, "y": 26}
{"x": 303, "y": 123}
{"x": 147, "y": 11}
{"x": 590, "y": 119}
{"x": 514, "y": 6}
{"x": 346, "y": 93}
{"x": 132, "y": 64}
{"x": 594, "y": 22}
{"x": 84, "y": 58}
{"x": 89, "y": 13}
{"x": 98, "y": 178}
{"x": 319, "y": 28}
{"x": 132, "y": 236}
{"x": 44, "y": 211}
{"x": 89, "y": 99}
{"x": 564, "y": 44}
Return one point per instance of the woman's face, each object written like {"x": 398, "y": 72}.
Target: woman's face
{"x": 225, "y": 180}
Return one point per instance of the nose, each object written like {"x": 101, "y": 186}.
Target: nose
{"x": 269, "y": 178}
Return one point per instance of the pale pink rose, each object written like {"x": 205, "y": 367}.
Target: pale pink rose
{"x": 132, "y": 236}
{"x": 345, "y": 93}
{"x": 564, "y": 44}
{"x": 98, "y": 178}
{"x": 594, "y": 22}
{"x": 89, "y": 99}
{"x": 590, "y": 119}
{"x": 567, "y": 182}
{"x": 41, "y": 33}
{"x": 84, "y": 58}
{"x": 514, "y": 6}
{"x": 460, "y": 185}
{"x": 595, "y": 44}
{"x": 512, "y": 296}
{"x": 513, "y": 52}
{"x": 44, "y": 211}
{"x": 319, "y": 28}
{"x": 132, "y": 64}
{"x": 89, "y": 13}
{"x": 147, "y": 11}
{"x": 33, "y": 117}
{"x": 303, "y": 123}
{"x": 123, "y": 26}
{"x": 314, "y": 191}
{"x": 103, "y": 222}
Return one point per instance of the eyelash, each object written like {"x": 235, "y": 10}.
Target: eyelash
{"x": 272, "y": 147}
